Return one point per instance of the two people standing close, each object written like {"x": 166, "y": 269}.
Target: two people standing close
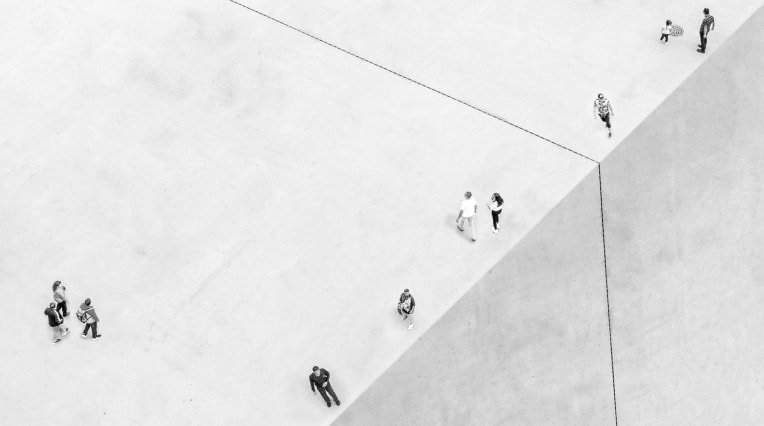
{"x": 468, "y": 212}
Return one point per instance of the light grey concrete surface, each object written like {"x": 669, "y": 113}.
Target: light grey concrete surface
{"x": 683, "y": 201}
{"x": 241, "y": 203}
{"x": 528, "y": 344}
{"x": 538, "y": 64}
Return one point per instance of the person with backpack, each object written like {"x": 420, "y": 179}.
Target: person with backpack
{"x": 59, "y": 295}
{"x": 55, "y": 321}
{"x": 406, "y": 306}
{"x": 87, "y": 315}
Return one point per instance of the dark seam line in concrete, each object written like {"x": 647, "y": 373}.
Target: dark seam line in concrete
{"x": 411, "y": 80}
{"x": 607, "y": 293}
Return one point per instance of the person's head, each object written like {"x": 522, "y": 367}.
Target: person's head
{"x": 668, "y": 22}
{"x": 87, "y": 301}
{"x": 467, "y": 195}
{"x": 600, "y": 96}
{"x": 496, "y": 197}
{"x": 706, "y": 11}
{"x": 406, "y": 292}
{"x": 316, "y": 370}
{"x": 56, "y": 284}
{"x": 53, "y": 305}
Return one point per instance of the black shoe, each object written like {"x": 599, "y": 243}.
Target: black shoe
{"x": 337, "y": 402}
{"x": 96, "y": 337}
{"x": 328, "y": 404}
{"x": 701, "y": 51}
{"x": 700, "y": 45}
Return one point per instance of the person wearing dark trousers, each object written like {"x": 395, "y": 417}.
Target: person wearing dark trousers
{"x": 59, "y": 295}
{"x": 55, "y": 321}
{"x": 319, "y": 378}
{"x": 495, "y": 206}
{"x": 87, "y": 314}
{"x": 706, "y": 26}
{"x": 605, "y": 110}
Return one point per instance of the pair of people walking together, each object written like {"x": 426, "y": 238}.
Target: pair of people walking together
{"x": 468, "y": 213}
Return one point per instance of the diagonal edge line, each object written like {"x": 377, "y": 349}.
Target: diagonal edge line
{"x": 412, "y": 80}
{"x": 607, "y": 294}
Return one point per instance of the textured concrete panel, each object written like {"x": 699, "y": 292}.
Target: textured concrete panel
{"x": 683, "y": 199}
{"x": 528, "y": 344}
{"x": 538, "y": 64}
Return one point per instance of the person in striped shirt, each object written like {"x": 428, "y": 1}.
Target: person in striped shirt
{"x": 605, "y": 110}
{"x": 706, "y": 26}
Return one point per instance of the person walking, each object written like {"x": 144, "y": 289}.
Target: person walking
{"x": 56, "y": 321}
{"x": 495, "y": 206}
{"x": 665, "y": 32}
{"x": 706, "y": 26}
{"x": 319, "y": 378}
{"x": 87, "y": 315}
{"x": 59, "y": 295}
{"x": 467, "y": 214}
{"x": 406, "y": 305}
{"x": 603, "y": 107}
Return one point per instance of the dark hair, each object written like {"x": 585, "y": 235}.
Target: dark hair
{"x": 56, "y": 284}
{"x": 706, "y": 11}
{"x": 668, "y": 22}
{"x": 468, "y": 194}
{"x": 315, "y": 368}
{"x": 52, "y": 305}
{"x": 87, "y": 301}
{"x": 499, "y": 200}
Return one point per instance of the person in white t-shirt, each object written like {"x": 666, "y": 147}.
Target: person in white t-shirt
{"x": 467, "y": 214}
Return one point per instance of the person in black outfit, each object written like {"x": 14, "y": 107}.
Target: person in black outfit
{"x": 320, "y": 379}
{"x": 495, "y": 206}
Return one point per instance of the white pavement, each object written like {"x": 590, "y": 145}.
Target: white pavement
{"x": 242, "y": 202}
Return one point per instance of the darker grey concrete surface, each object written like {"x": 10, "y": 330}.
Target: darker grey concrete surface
{"x": 683, "y": 197}
{"x": 528, "y": 344}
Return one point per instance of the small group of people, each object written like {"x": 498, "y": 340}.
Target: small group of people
{"x": 59, "y": 309}
{"x": 468, "y": 212}
{"x": 602, "y": 107}
{"x": 706, "y": 25}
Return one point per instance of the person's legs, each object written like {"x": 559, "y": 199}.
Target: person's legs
{"x": 460, "y": 223}
{"x": 495, "y": 217}
{"x": 703, "y": 41}
{"x": 95, "y": 330}
{"x": 62, "y": 309}
{"x": 471, "y": 222}
{"x": 85, "y": 331}
{"x": 331, "y": 392}
{"x": 55, "y": 333}
{"x": 322, "y": 391}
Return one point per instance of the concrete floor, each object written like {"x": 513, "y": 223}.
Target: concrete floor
{"x": 242, "y": 202}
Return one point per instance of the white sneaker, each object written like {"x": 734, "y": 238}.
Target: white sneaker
{"x": 495, "y": 231}
{"x": 411, "y": 325}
